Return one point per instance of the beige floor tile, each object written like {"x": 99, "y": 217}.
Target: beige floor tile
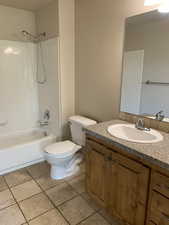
{"x": 46, "y": 182}
{"x": 79, "y": 173}
{"x": 76, "y": 210}
{"x": 25, "y": 190}
{"x": 35, "y": 206}
{"x": 17, "y": 177}
{"x": 109, "y": 218}
{"x": 11, "y": 216}
{"x": 61, "y": 193}
{"x": 39, "y": 170}
{"x": 3, "y": 185}
{"x": 90, "y": 201}
{"x": 6, "y": 199}
{"x": 52, "y": 217}
{"x": 78, "y": 183}
{"x": 95, "y": 219}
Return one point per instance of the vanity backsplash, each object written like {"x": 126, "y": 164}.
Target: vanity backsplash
{"x": 155, "y": 124}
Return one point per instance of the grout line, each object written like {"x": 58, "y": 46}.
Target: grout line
{"x": 44, "y": 192}
{"x": 16, "y": 202}
{"x": 29, "y": 197}
{"x": 41, "y": 215}
{"x": 55, "y": 207}
{"x": 96, "y": 210}
{"x": 8, "y": 206}
{"x": 86, "y": 218}
{"x": 99, "y": 212}
{"x": 66, "y": 201}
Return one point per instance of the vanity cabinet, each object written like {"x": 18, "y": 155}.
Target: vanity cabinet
{"x": 96, "y": 167}
{"x": 117, "y": 183}
{"x": 127, "y": 189}
{"x": 159, "y": 214}
{"x": 159, "y": 200}
{"x": 131, "y": 189}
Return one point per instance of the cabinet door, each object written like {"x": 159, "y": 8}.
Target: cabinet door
{"x": 128, "y": 188}
{"x": 159, "y": 209}
{"x": 95, "y": 171}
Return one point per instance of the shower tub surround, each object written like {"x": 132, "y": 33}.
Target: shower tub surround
{"x": 23, "y": 149}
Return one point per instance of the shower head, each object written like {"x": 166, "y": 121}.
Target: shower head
{"x": 26, "y": 33}
{"x": 35, "y": 38}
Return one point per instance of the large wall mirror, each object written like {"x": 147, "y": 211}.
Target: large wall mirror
{"x": 145, "y": 80}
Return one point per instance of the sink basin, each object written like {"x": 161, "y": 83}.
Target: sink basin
{"x": 128, "y": 132}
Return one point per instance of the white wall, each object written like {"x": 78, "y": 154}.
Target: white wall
{"x": 13, "y": 21}
{"x": 153, "y": 38}
{"x": 67, "y": 59}
{"x": 47, "y": 20}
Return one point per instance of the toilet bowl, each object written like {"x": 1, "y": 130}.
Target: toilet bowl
{"x": 64, "y": 157}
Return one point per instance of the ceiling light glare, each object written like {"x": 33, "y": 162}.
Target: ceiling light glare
{"x": 164, "y": 7}
{"x": 152, "y": 2}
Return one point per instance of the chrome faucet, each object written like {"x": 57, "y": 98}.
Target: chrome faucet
{"x": 46, "y": 118}
{"x": 160, "y": 115}
{"x": 46, "y": 115}
{"x": 140, "y": 125}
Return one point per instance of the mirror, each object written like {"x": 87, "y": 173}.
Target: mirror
{"x": 145, "y": 80}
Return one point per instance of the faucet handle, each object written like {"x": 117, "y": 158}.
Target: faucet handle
{"x": 140, "y": 123}
{"x": 46, "y": 115}
{"x": 160, "y": 115}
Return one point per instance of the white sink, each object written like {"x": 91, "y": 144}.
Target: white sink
{"x": 128, "y": 132}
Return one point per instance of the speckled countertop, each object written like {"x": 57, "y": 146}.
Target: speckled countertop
{"x": 157, "y": 153}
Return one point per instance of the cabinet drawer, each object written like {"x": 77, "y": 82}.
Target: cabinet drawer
{"x": 159, "y": 209}
{"x": 160, "y": 183}
{"x": 151, "y": 223}
{"x": 97, "y": 147}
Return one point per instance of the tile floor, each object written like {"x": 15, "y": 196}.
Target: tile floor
{"x": 30, "y": 197}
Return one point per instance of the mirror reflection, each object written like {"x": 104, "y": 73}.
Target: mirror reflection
{"x": 145, "y": 82}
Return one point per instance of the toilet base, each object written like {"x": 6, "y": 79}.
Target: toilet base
{"x": 58, "y": 173}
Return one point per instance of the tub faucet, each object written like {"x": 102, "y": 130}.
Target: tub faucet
{"x": 160, "y": 115}
{"x": 46, "y": 116}
{"x": 140, "y": 125}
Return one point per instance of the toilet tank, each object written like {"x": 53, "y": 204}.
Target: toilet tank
{"x": 77, "y": 123}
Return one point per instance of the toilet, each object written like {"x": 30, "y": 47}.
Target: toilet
{"x": 64, "y": 157}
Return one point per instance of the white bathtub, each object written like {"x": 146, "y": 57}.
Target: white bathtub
{"x": 24, "y": 149}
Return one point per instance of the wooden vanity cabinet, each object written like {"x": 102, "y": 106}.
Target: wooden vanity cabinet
{"x": 96, "y": 167}
{"x": 159, "y": 200}
{"x": 117, "y": 183}
{"x": 127, "y": 190}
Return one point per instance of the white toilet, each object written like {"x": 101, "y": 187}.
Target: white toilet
{"x": 63, "y": 156}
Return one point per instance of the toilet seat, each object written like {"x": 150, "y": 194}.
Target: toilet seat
{"x": 62, "y": 149}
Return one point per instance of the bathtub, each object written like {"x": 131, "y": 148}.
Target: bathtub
{"x": 23, "y": 149}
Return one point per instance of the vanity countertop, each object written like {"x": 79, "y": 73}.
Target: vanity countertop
{"x": 157, "y": 153}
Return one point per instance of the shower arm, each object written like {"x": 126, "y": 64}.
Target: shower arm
{"x": 36, "y": 38}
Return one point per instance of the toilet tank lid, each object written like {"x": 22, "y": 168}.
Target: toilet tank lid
{"x": 83, "y": 121}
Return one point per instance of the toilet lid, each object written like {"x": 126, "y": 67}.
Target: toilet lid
{"x": 62, "y": 148}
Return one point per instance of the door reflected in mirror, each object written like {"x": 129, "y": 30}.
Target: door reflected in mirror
{"x": 145, "y": 80}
